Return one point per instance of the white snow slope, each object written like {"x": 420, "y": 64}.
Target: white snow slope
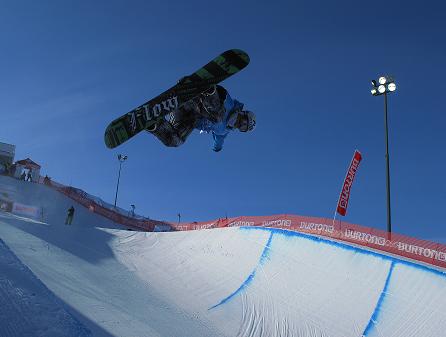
{"x": 94, "y": 278}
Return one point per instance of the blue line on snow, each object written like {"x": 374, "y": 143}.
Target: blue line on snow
{"x": 263, "y": 258}
{"x": 346, "y": 246}
{"x": 377, "y": 311}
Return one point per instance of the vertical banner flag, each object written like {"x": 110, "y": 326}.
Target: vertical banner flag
{"x": 348, "y": 181}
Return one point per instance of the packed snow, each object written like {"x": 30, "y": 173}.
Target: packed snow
{"x": 96, "y": 278}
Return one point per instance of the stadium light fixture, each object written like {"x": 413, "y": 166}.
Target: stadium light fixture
{"x": 384, "y": 85}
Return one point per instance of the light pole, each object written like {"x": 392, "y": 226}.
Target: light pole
{"x": 385, "y": 85}
{"x": 121, "y": 159}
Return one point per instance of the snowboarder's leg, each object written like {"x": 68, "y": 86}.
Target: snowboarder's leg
{"x": 212, "y": 103}
{"x": 175, "y": 131}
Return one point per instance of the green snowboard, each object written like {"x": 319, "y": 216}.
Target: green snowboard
{"x": 220, "y": 68}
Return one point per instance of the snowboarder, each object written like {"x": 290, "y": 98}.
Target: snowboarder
{"x": 70, "y": 215}
{"x": 212, "y": 112}
{"x": 190, "y": 87}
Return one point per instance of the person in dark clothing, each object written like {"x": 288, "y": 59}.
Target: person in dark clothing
{"x": 70, "y": 215}
{"x": 47, "y": 180}
{"x": 8, "y": 169}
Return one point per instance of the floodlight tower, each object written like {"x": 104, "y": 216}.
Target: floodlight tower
{"x": 385, "y": 85}
{"x": 121, "y": 159}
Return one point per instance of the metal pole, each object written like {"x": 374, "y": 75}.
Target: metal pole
{"x": 389, "y": 223}
{"x": 117, "y": 185}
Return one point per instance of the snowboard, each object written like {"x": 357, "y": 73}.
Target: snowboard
{"x": 144, "y": 116}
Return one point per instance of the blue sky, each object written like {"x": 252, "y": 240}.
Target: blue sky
{"x": 69, "y": 67}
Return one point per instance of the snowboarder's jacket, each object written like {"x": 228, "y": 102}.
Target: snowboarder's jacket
{"x": 222, "y": 126}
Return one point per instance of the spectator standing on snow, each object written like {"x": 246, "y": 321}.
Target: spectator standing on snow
{"x": 47, "y": 180}
{"x": 70, "y": 215}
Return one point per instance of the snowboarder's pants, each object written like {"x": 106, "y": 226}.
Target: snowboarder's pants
{"x": 174, "y": 132}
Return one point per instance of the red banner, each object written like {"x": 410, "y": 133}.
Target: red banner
{"x": 348, "y": 182}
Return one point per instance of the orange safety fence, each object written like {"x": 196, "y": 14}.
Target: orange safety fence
{"x": 397, "y": 244}
{"x": 94, "y": 206}
{"x": 420, "y": 250}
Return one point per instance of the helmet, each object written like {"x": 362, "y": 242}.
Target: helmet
{"x": 247, "y": 121}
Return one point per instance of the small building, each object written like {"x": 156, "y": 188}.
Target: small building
{"x": 27, "y": 164}
{"x": 7, "y": 153}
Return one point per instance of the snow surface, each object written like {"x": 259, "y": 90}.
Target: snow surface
{"x": 97, "y": 278}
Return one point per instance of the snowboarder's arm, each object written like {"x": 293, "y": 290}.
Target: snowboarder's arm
{"x": 218, "y": 141}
